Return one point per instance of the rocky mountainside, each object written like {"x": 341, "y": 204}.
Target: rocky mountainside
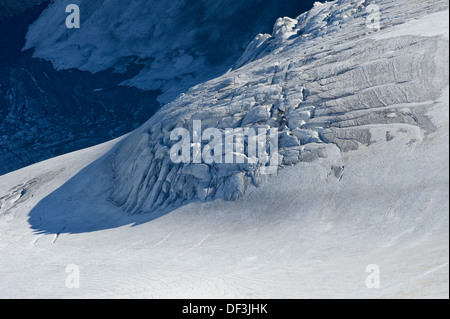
{"x": 46, "y": 113}
{"x": 10, "y": 8}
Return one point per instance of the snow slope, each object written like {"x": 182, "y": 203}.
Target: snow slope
{"x": 369, "y": 185}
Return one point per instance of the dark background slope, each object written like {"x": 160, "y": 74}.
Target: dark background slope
{"x": 46, "y": 112}
{"x": 12, "y": 7}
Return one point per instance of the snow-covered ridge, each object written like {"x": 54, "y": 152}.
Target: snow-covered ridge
{"x": 178, "y": 43}
{"x": 326, "y": 81}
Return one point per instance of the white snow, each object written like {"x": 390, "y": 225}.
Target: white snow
{"x": 435, "y": 24}
{"x": 302, "y": 234}
{"x": 371, "y": 186}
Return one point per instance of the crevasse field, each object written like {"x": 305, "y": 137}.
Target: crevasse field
{"x": 363, "y": 177}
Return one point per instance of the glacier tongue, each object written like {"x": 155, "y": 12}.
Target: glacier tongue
{"x": 326, "y": 82}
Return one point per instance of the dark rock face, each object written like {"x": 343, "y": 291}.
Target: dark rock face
{"x": 46, "y": 113}
{"x": 13, "y": 7}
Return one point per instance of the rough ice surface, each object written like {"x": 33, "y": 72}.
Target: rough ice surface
{"x": 328, "y": 84}
{"x": 368, "y": 184}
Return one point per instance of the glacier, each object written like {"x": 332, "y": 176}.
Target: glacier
{"x": 362, "y": 116}
{"x": 322, "y": 102}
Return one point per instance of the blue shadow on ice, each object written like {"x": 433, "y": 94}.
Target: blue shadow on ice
{"x": 81, "y": 205}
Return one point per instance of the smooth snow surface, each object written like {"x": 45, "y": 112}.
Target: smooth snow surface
{"x": 363, "y": 120}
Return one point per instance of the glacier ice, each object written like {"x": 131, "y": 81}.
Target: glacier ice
{"x": 324, "y": 81}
